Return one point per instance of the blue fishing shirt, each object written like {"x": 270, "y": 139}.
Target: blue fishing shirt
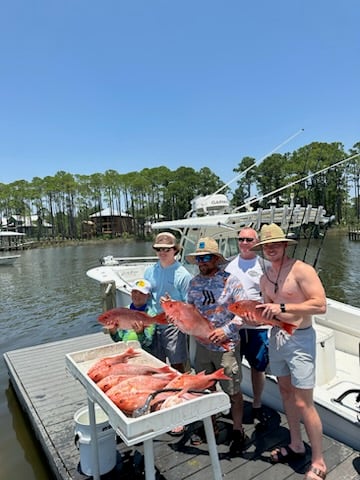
{"x": 173, "y": 280}
{"x": 211, "y": 296}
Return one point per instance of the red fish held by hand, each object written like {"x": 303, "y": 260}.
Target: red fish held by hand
{"x": 124, "y": 318}
{"x": 189, "y": 320}
{"x": 245, "y": 307}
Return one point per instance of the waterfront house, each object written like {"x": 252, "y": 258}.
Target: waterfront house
{"x": 112, "y": 222}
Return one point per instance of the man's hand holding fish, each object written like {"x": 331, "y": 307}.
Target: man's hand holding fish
{"x": 217, "y": 336}
{"x": 250, "y": 319}
{"x": 257, "y": 313}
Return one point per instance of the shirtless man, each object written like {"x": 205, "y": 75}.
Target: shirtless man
{"x": 293, "y": 292}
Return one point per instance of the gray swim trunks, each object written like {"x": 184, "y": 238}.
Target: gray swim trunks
{"x": 209, "y": 360}
{"x": 169, "y": 343}
{"x": 293, "y": 355}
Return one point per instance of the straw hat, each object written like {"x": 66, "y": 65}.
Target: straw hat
{"x": 272, "y": 234}
{"x": 204, "y": 247}
{"x": 166, "y": 240}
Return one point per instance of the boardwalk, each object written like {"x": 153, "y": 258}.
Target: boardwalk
{"x": 50, "y": 396}
{"x": 354, "y": 234}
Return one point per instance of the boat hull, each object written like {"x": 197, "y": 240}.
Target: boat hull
{"x": 338, "y": 332}
{"x": 8, "y": 260}
{"x": 336, "y": 424}
{"x": 337, "y": 363}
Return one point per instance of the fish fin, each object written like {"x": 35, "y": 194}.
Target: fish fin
{"x": 165, "y": 369}
{"x": 130, "y": 351}
{"x": 226, "y": 345}
{"x": 103, "y": 317}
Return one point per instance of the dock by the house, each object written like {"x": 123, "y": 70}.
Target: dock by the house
{"x": 354, "y": 232}
{"x": 50, "y": 396}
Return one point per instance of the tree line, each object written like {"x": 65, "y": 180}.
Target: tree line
{"x": 67, "y": 200}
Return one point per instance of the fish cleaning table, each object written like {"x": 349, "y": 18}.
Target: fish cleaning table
{"x": 147, "y": 427}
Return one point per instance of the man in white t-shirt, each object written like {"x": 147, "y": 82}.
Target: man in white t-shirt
{"x": 249, "y": 268}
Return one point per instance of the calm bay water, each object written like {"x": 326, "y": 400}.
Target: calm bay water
{"x": 46, "y": 296}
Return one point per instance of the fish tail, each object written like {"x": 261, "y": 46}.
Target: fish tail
{"x": 220, "y": 375}
{"x": 160, "y": 318}
{"x": 288, "y": 327}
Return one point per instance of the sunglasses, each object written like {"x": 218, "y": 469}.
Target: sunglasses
{"x": 163, "y": 249}
{"x": 204, "y": 258}
{"x": 245, "y": 239}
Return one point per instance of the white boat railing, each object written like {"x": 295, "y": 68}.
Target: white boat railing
{"x": 111, "y": 260}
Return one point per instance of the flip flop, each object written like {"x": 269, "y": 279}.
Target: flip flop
{"x": 177, "y": 431}
{"x": 319, "y": 473}
{"x": 277, "y": 457}
{"x": 195, "y": 439}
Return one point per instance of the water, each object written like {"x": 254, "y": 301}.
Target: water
{"x": 46, "y": 296}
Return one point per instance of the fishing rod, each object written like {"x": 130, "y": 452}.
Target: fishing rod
{"x": 331, "y": 219}
{"x": 317, "y": 219}
{"x": 315, "y": 224}
{"x": 258, "y": 199}
{"x": 241, "y": 174}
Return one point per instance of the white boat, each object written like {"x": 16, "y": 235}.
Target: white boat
{"x": 8, "y": 259}
{"x": 337, "y": 394}
{"x": 210, "y": 216}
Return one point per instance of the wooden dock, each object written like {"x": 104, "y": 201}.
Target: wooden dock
{"x": 50, "y": 396}
{"x": 354, "y": 233}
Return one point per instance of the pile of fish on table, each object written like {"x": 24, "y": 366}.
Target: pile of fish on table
{"x": 137, "y": 388}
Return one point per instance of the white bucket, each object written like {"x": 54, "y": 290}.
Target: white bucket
{"x": 106, "y": 437}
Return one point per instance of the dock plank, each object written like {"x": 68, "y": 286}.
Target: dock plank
{"x": 50, "y": 396}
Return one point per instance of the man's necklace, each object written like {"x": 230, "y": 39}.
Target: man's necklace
{"x": 276, "y": 283}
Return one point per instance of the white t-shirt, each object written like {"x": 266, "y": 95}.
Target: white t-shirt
{"x": 249, "y": 271}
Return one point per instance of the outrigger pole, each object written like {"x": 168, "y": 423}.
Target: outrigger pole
{"x": 261, "y": 159}
{"x": 258, "y": 199}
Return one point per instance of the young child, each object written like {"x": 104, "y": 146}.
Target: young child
{"x": 140, "y": 295}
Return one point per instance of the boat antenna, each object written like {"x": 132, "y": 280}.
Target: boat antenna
{"x": 241, "y": 174}
{"x": 258, "y": 199}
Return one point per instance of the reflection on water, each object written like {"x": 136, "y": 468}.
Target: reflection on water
{"x": 34, "y": 461}
{"x": 46, "y": 296}
{"x": 339, "y": 268}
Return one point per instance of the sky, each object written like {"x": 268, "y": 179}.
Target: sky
{"x": 88, "y": 86}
